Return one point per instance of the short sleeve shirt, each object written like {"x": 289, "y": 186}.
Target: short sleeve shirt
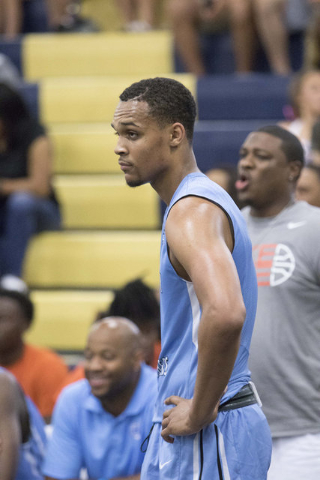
{"x": 87, "y": 436}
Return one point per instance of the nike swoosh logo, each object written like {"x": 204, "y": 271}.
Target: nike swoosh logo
{"x": 164, "y": 464}
{"x": 292, "y": 225}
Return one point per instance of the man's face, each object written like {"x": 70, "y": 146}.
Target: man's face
{"x": 110, "y": 362}
{"x": 142, "y": 146}
{"x": 309, "y": 96}
{"x": 263, "y": 170}
{"x": 308, "y": 187}
{"x": 12, "y": 324}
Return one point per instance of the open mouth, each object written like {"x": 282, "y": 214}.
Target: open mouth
{"x": 242, "y": 182}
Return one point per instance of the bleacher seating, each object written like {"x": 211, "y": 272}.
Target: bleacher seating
{"x": 249, "y": 97}
{"x": 62, "y": 318}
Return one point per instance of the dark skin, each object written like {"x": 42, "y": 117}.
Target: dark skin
{"x": 200, "y": 245}
{"x": 12, "y": 327}
{"x": 113, "y": 357}
{"x": 14, "y": 424}
{"x": 267, "y": 179}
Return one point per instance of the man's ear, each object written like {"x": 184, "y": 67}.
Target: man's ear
{"x": 138, "y": 358}
{"x": 177, "y": 134}
{"x": 295, "y": 170}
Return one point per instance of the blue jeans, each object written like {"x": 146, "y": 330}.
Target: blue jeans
{"x": 23, "y": 215}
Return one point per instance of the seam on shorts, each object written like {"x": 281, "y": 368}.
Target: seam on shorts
{"x": 201, "y": 454}
{"x": 218, "y": 453}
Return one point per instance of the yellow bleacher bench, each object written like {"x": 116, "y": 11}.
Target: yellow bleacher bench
{"x": 89, "y": 100}
{"x": 92, "y": 259}
{"x": 96, "y": 54}
{"x": 84, "y": 148}
{"x": 62, "y": 318}
{"x": 106, "y": 202}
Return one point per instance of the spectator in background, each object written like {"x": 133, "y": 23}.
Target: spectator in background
{"x": 225, "y": 176}
{"x": 39, "y": 371}
{"x": 27, "y": 16}
{"x": 312, "y": 38}
{"x": 138, "y": 15}
{"x": 188, "y": 19}
{"x": 275, "y": 21}
{"x": 9, "y": 73}
{"x": 308, "y": 186}
{"x": 315, "y": 143}
{"x": 100, "y": 422}
{"x": 267, "y": 19}
{"x": 285, "y": 355}
{"x": 22, "y": 435}
{"x": 305, "y": 100}
{"x": 270, "y": 20}
{"x": 27, "y": 201}
{"x": 138, "y": 302}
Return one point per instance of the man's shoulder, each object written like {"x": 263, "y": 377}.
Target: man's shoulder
{"x": 76, "y": 392}
{"x": 305, "y": 218}
{"x": 42, "y": 354}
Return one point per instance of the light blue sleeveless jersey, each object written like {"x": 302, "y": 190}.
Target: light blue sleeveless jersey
{"x": 180, "y": 309}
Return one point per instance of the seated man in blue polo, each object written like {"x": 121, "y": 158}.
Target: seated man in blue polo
{"x": 100, "y": 422}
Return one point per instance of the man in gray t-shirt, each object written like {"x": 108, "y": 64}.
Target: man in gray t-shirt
{"x": 285, "y": 350}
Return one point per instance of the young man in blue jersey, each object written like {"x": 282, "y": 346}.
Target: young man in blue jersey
{"x": 208, "y": 298}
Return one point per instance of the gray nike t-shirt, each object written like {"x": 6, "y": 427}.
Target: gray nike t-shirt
{"x": 285, "y": 349}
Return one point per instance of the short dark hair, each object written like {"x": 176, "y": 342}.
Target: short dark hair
{"x": 169, "y": 101}
{"x": 290, "y": 145}
{"x": 137, "y": 302}
{"x": 24, "y": 302}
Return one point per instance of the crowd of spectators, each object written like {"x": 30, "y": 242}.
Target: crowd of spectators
{"x": 105, "y": 407}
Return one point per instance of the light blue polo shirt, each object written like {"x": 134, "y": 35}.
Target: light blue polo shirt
{"x": 86, "y": 436}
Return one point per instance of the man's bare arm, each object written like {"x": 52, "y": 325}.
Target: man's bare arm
{"x": 200, "y": 244}
{"x": 10, "y": 432}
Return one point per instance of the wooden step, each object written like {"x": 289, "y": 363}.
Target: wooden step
{"x": 92, "y": 259}
{"x": 106, "y": 202}
{"x": 89, "y": 100}
{"x": 97, "y": 54}
{"x": 84, "y": 148}
{"x": 63, "y": 318}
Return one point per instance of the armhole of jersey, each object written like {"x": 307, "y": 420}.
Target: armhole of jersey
{"x": 214, "y": 203}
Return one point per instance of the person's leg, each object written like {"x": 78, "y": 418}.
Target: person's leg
{"x": 11, "y": 18}
{"x": 127, "y": 9}
{"x": 184, "y": 17}
{"x": 146, "y": 12}
{"x": 270, "y": 19}
{"x": 57, "y": 9}
{"x": 295, "y": 458}
{"x": 237, "y": 445}
{"x": 25, "y": 216}
{"x": 243, "y": 33}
